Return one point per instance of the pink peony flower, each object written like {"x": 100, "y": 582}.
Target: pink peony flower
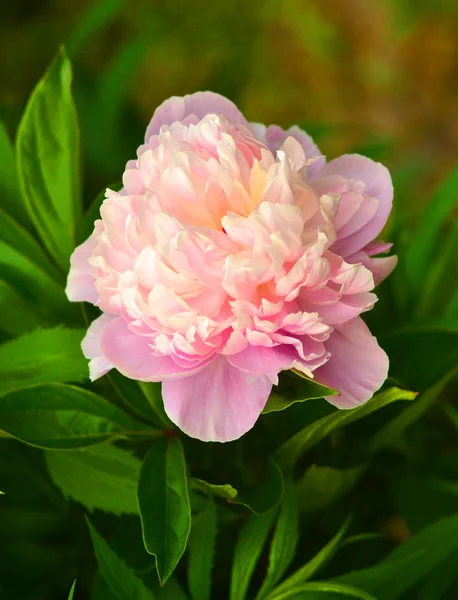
{"x": 232, "y": 253}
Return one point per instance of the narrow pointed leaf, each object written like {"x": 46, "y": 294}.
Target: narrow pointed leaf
{"x": 47, "y": 152}
{"x": 248, "y": 549}
{"x": 72, "y": 591}
{"x": 284, "y": 542}
{"x": 409, "y": 562}
{"x": 121, "y": 580}
{"x": 310, "y": 590}
{"x": 317, "y": 562}
{"x": 201, "y": 551}
{"x": 293, "y": 449}
{"x": 164, "y": 504}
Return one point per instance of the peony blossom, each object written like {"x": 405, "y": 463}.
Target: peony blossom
{"x": 234, "y": 252}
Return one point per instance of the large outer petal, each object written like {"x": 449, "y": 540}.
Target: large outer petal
{"x": 219, "y": 404}
{"x": 131, "y": 355}
{"x": 200, "y": 104}
{"x": 357, "y": 367}
{"x": 98, "y": 364}
{"x": 378, "y": 185}
{"x": 80, "y": 282}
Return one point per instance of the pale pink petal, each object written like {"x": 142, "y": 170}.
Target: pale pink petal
{"x": 274, "y": 137}
{"x": 357, "y": 367}
{"x": 219, "y": 404}
{"x": 378, "y": 184}
{"x": 379, "y": 267}
{"x": 132, "y": 356}
{"x": 200, "y": 104}
{"x": 258, "y": 360}
{"x": 80, "y": 282}
{"x": 98, "y": 364}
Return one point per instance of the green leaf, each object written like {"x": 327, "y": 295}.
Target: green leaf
{"x": 131, "y": 392}
{"x": 317, "y": 562}
{"x": 10, "y": 193}
{"x": 72, "y": 591}
{"x": 283, "y": 547}
{"x": 292, "y": 450}
{"x": 121, "y": 580}
{"x": 201, "y": 551}
{"x": 17, "y": 237}
{"x": 227, "y": 492}
{"x": 265, "y": 494}
{"x": 420, "y": 253}
{"x": 247, "y": 552}
{"x": 102, "y": 477}
{"x": 164, "y": 504}
{"x": 320, "y": 487}
{"x": 63, "y": 417}
{"x": 259, "y": 498}
{"x": 16, "y": 318}
{"x": 154, "y": 395}
{"x": 410, "y": 562}
{"x": 307, "y": 590}
{"x": 42, "y": 356}
{"x": 36, "y": 287}
{"x": 47, "y": 150}
{"x": 283, "y": 397}
{"x": 397, "y": 426}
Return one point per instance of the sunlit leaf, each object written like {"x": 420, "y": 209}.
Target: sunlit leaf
{"x": 72, "y": 591}
{"x": 42, "y": 356}
{"x": 47, "y": 151}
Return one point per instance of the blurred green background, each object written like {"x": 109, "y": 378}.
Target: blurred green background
{"x": 379, "y": 76}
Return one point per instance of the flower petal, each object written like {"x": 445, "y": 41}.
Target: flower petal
{"x": 378, "y": 185}
{"x": 80, "y": 282}
{"x": 274, "y": 136}
{"x": 98, "y": 364}
{"x": 219, "y": 404}
{"x": 357, "y": 367}
{"x": 132, "y": 356}
{"x": 258, "y": 360}
{"x": 200, "y": 104}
